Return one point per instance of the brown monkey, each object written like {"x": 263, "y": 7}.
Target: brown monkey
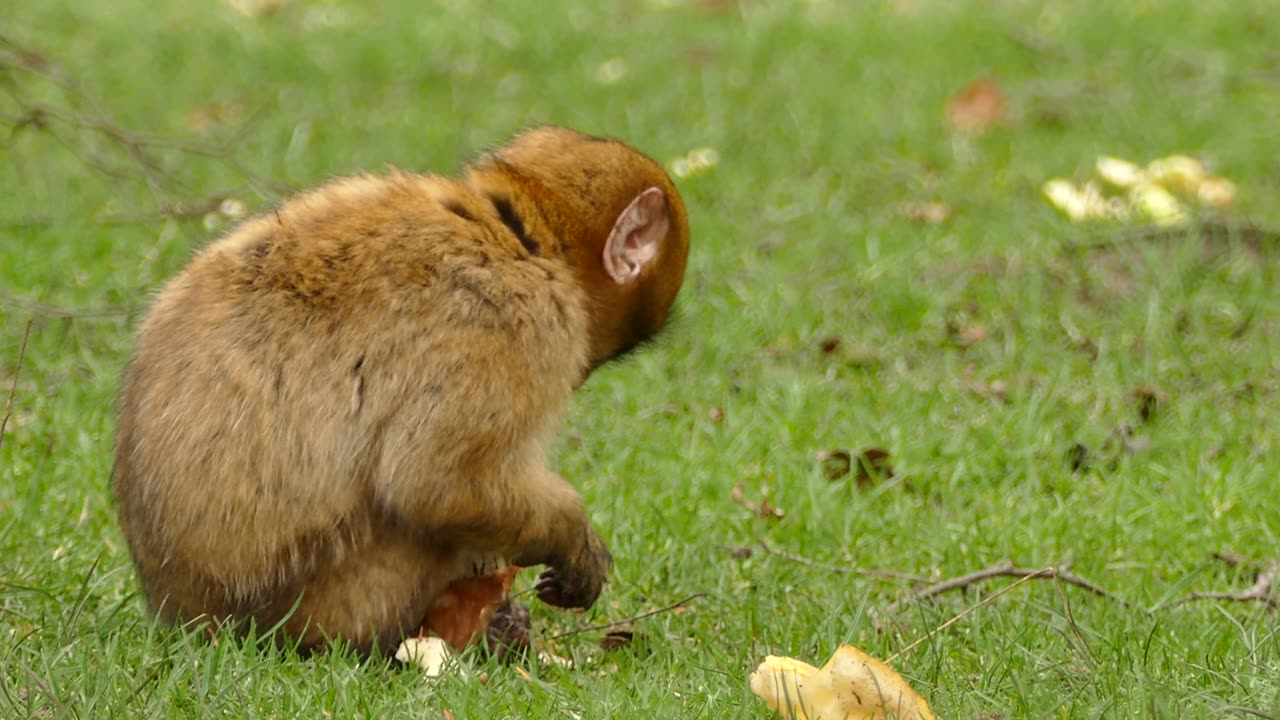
{"x": 339, "y": 408}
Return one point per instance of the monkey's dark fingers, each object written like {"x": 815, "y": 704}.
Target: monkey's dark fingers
{"x": 549, "y": 588}
{"x": 553, "y": 590}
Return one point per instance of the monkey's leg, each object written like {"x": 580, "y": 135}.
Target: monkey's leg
{"x": 372, "y": 596}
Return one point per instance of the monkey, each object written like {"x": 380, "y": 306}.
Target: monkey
{"x": 341, "y": 406}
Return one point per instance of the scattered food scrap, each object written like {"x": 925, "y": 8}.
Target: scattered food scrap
{"x": 429, "y": 653}
{"x": 462, "y": 614}
{"x": 851, "y": 686}
{"x": 463, "y": 610}
{"x": 1164, "y": 192}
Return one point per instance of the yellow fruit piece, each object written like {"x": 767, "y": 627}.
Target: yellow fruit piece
{"x": 1216, "y": 192}
{"x": 1158, "y": 204}
{"x": 430, "y": 653}
{"x": 851, "y": 686}
{"x": 1083, "y": 203}
{"x": 1119, "y": 173}
{"x": 1179, "y": 173}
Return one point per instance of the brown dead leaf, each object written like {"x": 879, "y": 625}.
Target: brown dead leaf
{"x": 977, "y": 106}
{"x": 770, "y": 511}
{"x": 873, "y": 465}
{"x": 852, "y": 356}
{"x": 971, "y": 334}
{"x": 771, "y": 241}
{"x": 926, "y": 213}
{"x": 1124, "y": 441}
{"x": 1229, "y": 557}
{"x": 835, "y": 463}
{"x": 763, "y": 508}
{"x": 1079, "y": 457}
{"x": 997, "y": 390}
{"x": 1149, "y": 401}
{"x": 207, "y": 118}
{"x": 700, "y": 55}
{"x": 616, "y": 639}
{"x": 255, "y": 8}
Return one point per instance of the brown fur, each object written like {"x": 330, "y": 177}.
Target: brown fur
{"x": 342, "y": 403}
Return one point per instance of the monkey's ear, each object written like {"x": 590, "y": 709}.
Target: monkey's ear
{"x": 636, "y": 237}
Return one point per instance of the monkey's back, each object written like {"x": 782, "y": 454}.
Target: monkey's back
{"x": 301, "y": 366}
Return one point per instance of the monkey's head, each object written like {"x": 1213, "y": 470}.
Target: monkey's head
{"x": 620, "y": 219}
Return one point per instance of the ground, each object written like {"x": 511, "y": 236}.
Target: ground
{"x": 865, "y": 275}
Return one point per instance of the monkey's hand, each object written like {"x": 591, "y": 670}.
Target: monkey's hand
{"x": 575, "y": 582}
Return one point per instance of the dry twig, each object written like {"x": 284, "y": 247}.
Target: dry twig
{"x": 628, "y": 621}
{"x": 1262, "y": 590}
{"x": 965, "y": 613}
{"x": 13, "y": 388}
{"x": 81, "y": 120}
{"x": 46, "y": 310}
{"x": 1008, "y": 569}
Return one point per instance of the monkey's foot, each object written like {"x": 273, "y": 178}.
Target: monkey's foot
{"x": 507, "y": 636}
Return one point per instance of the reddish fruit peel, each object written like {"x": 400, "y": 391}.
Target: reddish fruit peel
{"x": 462, "y": 612}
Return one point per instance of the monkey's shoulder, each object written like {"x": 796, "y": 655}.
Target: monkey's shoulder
{"x": 368, "y": 251}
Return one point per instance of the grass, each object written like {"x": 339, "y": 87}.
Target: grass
{"x": 827, "y": 116}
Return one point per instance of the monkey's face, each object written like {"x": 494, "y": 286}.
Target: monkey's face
{"x": 623, "y": 223}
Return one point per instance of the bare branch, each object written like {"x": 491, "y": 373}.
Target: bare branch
{"x": 628, "y": 621}
{"x": 81, "y": 120}
{"x": 45, "y": 310}
{"x": 967, "y": 611}
{"x": 13, "y": 388}
{"x": 1261, "y": 591}
{"x": 1008, "y": 569}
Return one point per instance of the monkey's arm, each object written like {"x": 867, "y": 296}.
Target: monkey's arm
{"x": 576, "y": 557}
{"x": 462, "y": 460}
{"x": 522, "y": 512}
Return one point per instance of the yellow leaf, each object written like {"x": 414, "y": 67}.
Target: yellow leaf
{"x": 851, "y": 686}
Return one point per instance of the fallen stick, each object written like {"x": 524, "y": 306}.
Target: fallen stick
{"x": 1261, "y": 591}
{"x": 628, "y": 621}
{"x": 13, "y": 388}
{"x": 1060, "y": 572}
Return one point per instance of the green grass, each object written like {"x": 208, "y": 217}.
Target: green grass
{"x": 827, "y": 116}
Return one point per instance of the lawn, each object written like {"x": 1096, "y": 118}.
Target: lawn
{"x": 1047, "y": 392}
